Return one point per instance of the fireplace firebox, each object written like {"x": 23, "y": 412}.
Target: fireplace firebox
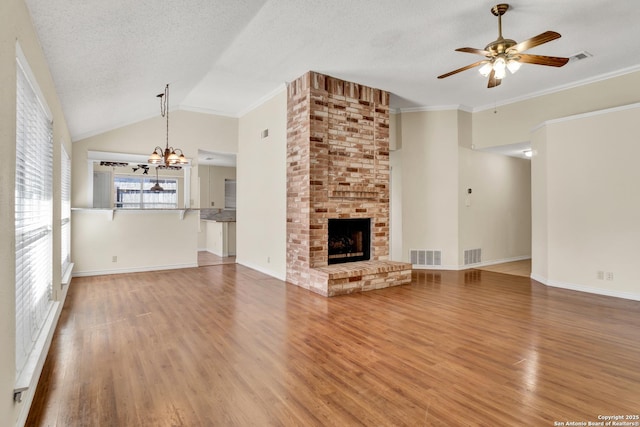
{"x": 349, "y": 240}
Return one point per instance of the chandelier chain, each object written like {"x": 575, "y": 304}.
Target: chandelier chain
{"x": 168, "y": 156}
{"x": 164, "y": 108}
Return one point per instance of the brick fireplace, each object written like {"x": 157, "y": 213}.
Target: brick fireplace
{"x": 338, "y": 169}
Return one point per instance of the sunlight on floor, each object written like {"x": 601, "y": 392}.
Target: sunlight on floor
{"x": 516, "y": 268}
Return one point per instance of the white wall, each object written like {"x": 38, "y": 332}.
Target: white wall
{"x": 15, "y": 25}
{"x": 212, "y": 185}
{"x": 513, "y": 123}
{"x": 539, "y": 206}
{"x": 395, "y": 206}
{"x": 395, "y": 192}
{"x": 140, "y": 241}
{"x": 588, "y": 202}
{"x": 189, "y": 131}
{"x": 435, "y": 172}
{"x": 496, "y": 216}
{"x": 134, "y": 242}
{"x": 430, "y": 184}
{"x": 261, "y": 188}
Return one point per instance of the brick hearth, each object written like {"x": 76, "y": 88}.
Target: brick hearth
{"x": 337, "y": 167}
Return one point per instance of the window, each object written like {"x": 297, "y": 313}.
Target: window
{"x": 65, "y": 210}
{"x": 230, "y": 193}
{"x": 136, "y": 193}
{"x": 33, "y": 216}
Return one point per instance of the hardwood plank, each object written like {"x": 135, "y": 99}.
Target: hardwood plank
{"x": 206, "y": 258}
{"x": 227, "y": 345}
{"x": 518, "y": 268}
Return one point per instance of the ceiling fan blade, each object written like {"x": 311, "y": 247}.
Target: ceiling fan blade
{"x": 545, "y": 37}
{"x": 552, "y": 61}
{"x": 451, "y": 73}
{"x": 493, "y": 82}
{"x": 473, "y": 50}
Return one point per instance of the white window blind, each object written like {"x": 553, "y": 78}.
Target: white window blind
{"x": 65, "y": 210}
{"x": 136, "y": 193}
{"x": 33, "y": 217}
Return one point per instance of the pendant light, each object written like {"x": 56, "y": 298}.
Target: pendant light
{"x": 157, "y": 187}
{"x": 168, "y": 156}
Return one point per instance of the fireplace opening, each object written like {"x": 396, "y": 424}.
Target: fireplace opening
{"x": 349, "y": 240}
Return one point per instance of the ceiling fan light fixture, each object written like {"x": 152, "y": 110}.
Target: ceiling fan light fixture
{"x": 500, "y": 68}
{"x": 485, "y": 70}
{"x": 513, "y": 65}
{"x": 502, "y": 53}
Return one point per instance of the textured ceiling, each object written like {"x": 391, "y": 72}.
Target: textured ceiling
{"x": 110, "y": 58}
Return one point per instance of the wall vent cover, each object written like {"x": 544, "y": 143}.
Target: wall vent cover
{"x": 472, "y": 256}
{"x": 580, "y": 56}
{"x": 425, "y": 257}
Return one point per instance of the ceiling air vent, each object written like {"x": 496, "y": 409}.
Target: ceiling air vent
{"x": 580, "y": 56}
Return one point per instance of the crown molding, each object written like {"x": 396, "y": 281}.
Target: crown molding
{"x": 584, "y": 82}
{"x": 586, "y": 115}
{"x": 278, "y": 90}
{"x": 196, "y": 109}
{"x": 436, "y": 108}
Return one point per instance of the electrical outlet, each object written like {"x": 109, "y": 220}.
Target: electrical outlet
{"x": 268, "y": 259}
{"x": 600, "y": 275}
{"x": 212, "y": 203}
{"x": 609, "y": 275}
{"x": 114, "y": 258}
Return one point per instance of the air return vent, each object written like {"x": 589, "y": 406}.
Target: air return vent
{"x": 472, "y": 256}
{"x": 580, "y": 56}
{"x": 425, "y": 257}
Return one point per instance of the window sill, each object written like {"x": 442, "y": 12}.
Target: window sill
{"x": 112, "y": 212}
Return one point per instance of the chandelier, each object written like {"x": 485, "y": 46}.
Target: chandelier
{"x": 168, "y": 156}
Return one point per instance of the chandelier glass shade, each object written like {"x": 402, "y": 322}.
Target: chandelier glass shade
{"x": 169, "y": 155}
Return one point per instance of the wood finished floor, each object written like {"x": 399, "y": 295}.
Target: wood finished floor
{"x": 517, "y": 268}
{"x": 207, "y": 258}
{"x": 228, "y": 346}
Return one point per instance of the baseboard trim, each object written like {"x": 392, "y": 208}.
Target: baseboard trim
{"x": 494, "y": 262}
{"x": 133, "y": 270}
{"x": 435, "y": 267}
{"x": 271, "y": 273}
{"x": 586, "y": 289}
{"x": 467, "y": 267}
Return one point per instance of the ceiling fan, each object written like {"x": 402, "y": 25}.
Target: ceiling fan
{"x": 503, "y": 54}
